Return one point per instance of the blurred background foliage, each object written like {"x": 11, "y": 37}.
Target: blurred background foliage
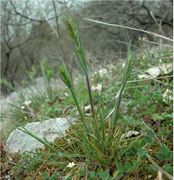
{"x": 32, "y": 32}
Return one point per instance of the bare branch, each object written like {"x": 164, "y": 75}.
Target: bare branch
{"x": 130, "y": 28}
{"x": 47, "y": 20}
{"x": 27, "y": 17}
{"x": 22, "y": 15}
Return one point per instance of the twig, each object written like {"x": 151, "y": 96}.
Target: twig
{"x": 151, "y": 130}
{"x": 27, "y": 17}
{"x": 152, "y": 42}
{"x": 130, "y": 28}
{"x": 155, "y": 79}
{"x": 58, "y": 31}
{"x": 159, "y": 168}
{"x": 47, "y": 20}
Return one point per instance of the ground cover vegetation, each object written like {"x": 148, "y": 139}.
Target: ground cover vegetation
{"x": 125, "y": 133}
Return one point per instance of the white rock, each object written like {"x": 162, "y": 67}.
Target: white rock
{"x": 50, "y": 130}
{"x": 154, "y": 72}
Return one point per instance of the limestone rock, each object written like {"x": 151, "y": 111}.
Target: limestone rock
{"x": 50, "y": 130}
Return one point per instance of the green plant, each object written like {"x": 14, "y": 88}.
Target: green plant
{"x": 47, "y": 73}
{"x": 98, "y": 139}
{"x": 97, "y": 146}
{"x": 6, "y": 84}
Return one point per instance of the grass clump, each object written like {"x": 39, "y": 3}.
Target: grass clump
{"x": 100, "y": 143}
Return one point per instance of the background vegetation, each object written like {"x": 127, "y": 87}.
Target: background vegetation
{"x": 32, "y": 32}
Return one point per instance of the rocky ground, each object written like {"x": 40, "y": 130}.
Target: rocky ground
{"x": 38, "y": 85}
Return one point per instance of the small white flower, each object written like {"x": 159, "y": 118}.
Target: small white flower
{"x": 111, "y": 67}
{"x": 103, "y": 72}
{"x": 22, "y": 107}
{"x": 68, "y": 141}
{"x": 94, "y": 74}
{"x": 123, "y": 65}
{"x": 27, "y": 102}
{"x": 92, "y": 79}
{"x": 71, "y": 164}
{"x": 66, "y": 94}
{"x": 87, "y": 108}
{"x": 97, "y": 88}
